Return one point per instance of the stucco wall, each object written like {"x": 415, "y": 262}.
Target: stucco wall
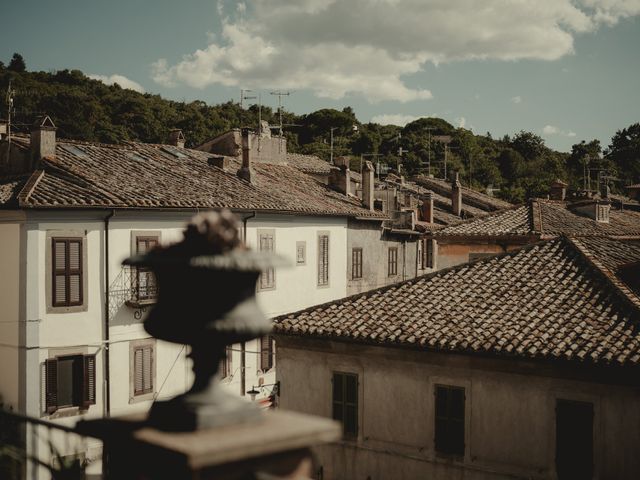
{"x": 510, "y": 415}
{"x": 375, "y": 245}
{"x": 10, "y": 281}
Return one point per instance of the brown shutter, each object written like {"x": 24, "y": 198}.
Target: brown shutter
{"x": 89, "y": 390}
{"x": 138, "y": 370}
{"x": 264, "y": 353}
{"x": 147, "y": 359}
{"x": 51, "y": 381}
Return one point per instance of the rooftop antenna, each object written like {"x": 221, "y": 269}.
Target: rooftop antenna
{"x": 280, "y": 94}
{"x": 9, "y": 100}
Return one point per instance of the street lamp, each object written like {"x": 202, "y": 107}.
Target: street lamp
{"x": 256, "y": 390}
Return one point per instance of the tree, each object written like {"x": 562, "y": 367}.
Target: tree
{"x": 583, "y": 154}
{"x": 528, "y": 144}
{"x": 624, "y": 152}
{"x": 17, "y": 63}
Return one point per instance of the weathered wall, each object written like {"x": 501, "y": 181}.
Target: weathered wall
{"x": 510, "y": 414}
{"x": 375, "y": 244}
{"x": 10, "y": 281}
{"x": 263, "y": 149}
{"x": 451, "y": 254}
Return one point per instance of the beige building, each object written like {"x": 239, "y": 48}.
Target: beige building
{"x": 523, "y": 365}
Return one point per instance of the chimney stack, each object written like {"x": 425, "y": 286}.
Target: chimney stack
{"x": 558, "y": 190}
{"x": 43, "y": 139}
{"x": 427, "y": 207}
{"x": 246, "y": 172}
{"x": 604, "y": 190}
{"x": 456, "y": 195}
{"x": 367, "y": 185}
{"x": 176, "y": 138}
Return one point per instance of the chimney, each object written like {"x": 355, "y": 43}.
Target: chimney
{"x": 246, "y": 172}
{"x": 43, "y": 139}
{"x": 604, "y": 190}
{"x": 456, "y": 195}
{"x": 176, "y": 138}
{"x": 219, "y": 161}
{"x": 367, "y": 185}
{"x": 558, "y": 190}
{"x": 427, "y": 207}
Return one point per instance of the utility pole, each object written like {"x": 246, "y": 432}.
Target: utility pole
{"x": 429, "y": 163}
{"x": 331, "y": 148}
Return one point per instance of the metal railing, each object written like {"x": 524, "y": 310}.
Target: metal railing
{"x": 32, "y": 448}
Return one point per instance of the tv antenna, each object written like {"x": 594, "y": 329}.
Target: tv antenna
{"x": 9, "y": 100}
{"x": 280, "y": 94}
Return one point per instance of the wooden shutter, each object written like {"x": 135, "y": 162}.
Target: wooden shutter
{"x": 51, "y": 382}
{"x": 428, "y": 252}
{"x": 89, "y": 381}
{"x": 393, "y": 261}
{"x": 449, "y": 419}
{"x": 67, "y": 272}
{"x": 268, "y": 277}
{"x": 266, "y": 353}
{"x": 345, "y": 402}
{"x": 323, "y": 260}
{"x": 143, "y": 370}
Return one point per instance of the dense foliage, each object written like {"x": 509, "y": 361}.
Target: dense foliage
{"x": 520, "y": 166}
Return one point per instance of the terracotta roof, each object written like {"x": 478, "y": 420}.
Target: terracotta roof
{"x": 308, "y": 163}
{"x": 547, "y": 217}
{"x": 470, "y": 197}
{"x": 545, "y": 301}
{"x": 136, "y": 175}
{"x": 10, "y": 187}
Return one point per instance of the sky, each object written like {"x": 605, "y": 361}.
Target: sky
{"x": 568, "y": 70}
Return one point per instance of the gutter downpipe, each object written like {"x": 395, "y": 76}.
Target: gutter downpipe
{"x": 107, "y": 383}
{"x": 243, "y": 347}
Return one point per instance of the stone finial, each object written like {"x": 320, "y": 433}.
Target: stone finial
{"x": 176, "y": 138}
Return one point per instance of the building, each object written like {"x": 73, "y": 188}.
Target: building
{"x": 522, "y": 365}
{"x": 72, "y": 339}
{"x": 510, "y": 229}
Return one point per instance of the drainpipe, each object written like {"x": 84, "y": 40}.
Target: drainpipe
{"x": 243, "y": 355}
{"x": 107, "y": 383}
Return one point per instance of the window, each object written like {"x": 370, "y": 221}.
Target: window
{"x": 227, "y": 363}
{"x": 266, "y": 244}
{"x": 70, "y": 381}
{"x": 574, "y": 439}
{"x": 301, "y": 253}
{"x": 393, "y": 261}
{"x": 145, "y": 286}
{"x": 356, "y": 263}
{"x": 67, "y": 282}
{"x": 267, "y": 353}
{"x": 345, "y": 402}
{"x": 449, "y": 420}
{"x": 428, "y": 247}
{"x": 323, "y": 259}
{"x": 143, "y": 366}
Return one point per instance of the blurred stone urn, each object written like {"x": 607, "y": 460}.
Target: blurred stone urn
{"x": 206, "y": 300}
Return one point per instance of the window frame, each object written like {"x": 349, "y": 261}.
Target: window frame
{"x": 343, "y": 375}
{"x": 136, "y": 235}
{"x": 447, "y": 418}
{"x": 392, "y": 261}
{"x": 50, "y": 282}
{"x": 323, "y": 280}
{"x": 270, "y": 353}
{"x": 356, "y": 263}
{"x": 428, "y": 257}
{"x": 265, "y": 285}
{"x": 83, "y": 378}
{"x": 138, "y": 345}
{"x": 226, "y": 363}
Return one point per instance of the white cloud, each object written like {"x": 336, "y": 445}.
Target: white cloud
{"x": 516, "y": 99}
{"x": 395, "y": 119}
{"x": 461, "y": 121}
{"x": 553, "y": 130}
{"x": 370, "y": 47}
{"x": 121, "y": 80}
